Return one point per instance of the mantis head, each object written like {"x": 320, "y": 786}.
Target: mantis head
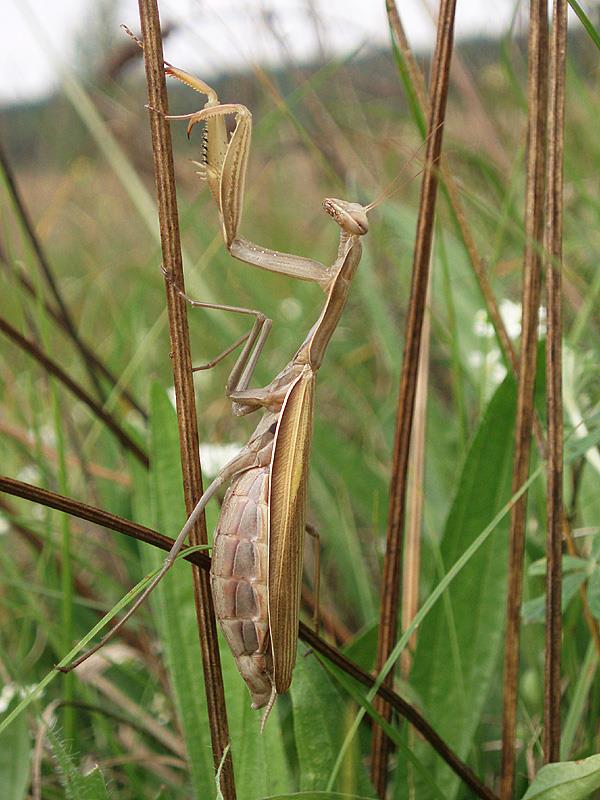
{"x": 351, "y": 217}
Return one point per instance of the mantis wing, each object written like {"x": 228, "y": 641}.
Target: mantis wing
{"x": 287, "y": 511}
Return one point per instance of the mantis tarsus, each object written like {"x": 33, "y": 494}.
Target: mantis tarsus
{"x": 258, "y": 544}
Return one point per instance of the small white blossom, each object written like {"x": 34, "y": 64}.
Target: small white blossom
{"x": 490, "y": 363}
{"x": 9, "y": 690}
{"x": 475, "y": 359}
{"x": 4, "y": 525}
{"x": 543, "y": 315}
{"x": 511, "y": 315}
{"x": 481, "y": 325}
{"x": 171, "y": 396}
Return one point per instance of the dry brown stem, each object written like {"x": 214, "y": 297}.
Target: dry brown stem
{"x": 183, "y": 380}
{"x": 532, "y": 272}
{"x": 554, "y": 501}
{"x": 408, "y": 377}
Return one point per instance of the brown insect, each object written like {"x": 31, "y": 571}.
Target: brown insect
{"x": 258, "y": 543}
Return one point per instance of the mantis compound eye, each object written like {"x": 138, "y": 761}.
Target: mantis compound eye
{"x": 351, "y": 217}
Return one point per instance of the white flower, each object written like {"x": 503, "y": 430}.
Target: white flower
{"x": 511, "y": 316}
{"x": 481, "y": 326}
{"x": 4, "y": 525}
{"x": 475, "y": 359}
{"x": 9, "y": 690}
{"x": 490, "y": 364}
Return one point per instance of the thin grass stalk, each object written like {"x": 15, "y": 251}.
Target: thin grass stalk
{"x": 554, "y": 501}
{"x": 414, "y": 506}
{"x": 415, "y": 86}
{"x": 184, "y": 384}
{"x": 28, "y": 442}
{"x": 390, "y": 591}
{"x": 135, "y": 638}
{"x": 118, "y": 524}
{"x": 58, "y": 318}
{"x": 92, "y": 363}
{"x": 532, "y": 274}
{"x": 44, "y": 265}
{"x": 32, "y": 349}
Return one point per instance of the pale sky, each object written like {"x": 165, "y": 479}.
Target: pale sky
{"x": 214, "y": 35}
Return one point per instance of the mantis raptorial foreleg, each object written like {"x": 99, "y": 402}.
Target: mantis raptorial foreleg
{"x": 226, "y": 161}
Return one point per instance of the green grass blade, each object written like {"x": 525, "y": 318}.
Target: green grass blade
{"x": 586, "y": 22}
{"x": 260, "y": 760}
{"x": 578, "y": 701}
{"x": 453, "y": 678}
{"x": 173, "y": 601}
{"x": 359, "y": 696}
{"x": 15, "y": 761}
{"x": 430, "y": 602}
{"x": 321, "y": 719}
{"x": 77, "y": 786}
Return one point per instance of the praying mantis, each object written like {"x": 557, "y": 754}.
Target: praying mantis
{"x": 257, "y": 550}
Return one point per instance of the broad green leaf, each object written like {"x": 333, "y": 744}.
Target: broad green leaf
{"x": 359, "y": 694}
{"x": 567, "y": 780}
{"x": 15, "y": 760}
{"x": 173, "y": 601}
{"x": 458, "y": 644}
{"x": 569, "y": 564}
{"x": 321, "y": 718}
{"x": 259, "y": 760}
{"x": 318, "y": 796}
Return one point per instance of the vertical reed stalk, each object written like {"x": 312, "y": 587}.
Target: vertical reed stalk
{"x": 414, "y": 506}
{"x": 554, "y": 502}
{"x": 532, "y": 263}
{"x": 440, "y": 72}
{"x": 415, "y": 87}
{"x": 183, "y": 382}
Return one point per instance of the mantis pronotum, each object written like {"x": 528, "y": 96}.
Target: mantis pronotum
{"x": 258, "y": 543}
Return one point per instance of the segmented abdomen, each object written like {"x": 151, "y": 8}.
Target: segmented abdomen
{"x": 239, "y": 576}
